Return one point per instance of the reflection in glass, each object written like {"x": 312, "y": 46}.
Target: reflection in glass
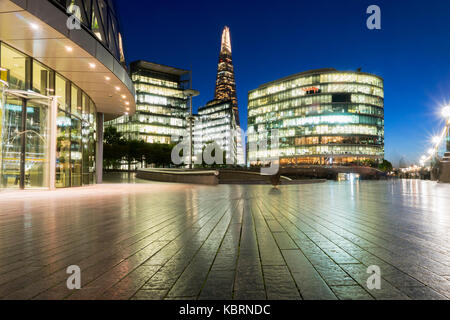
{"x": 61, "y": 92}
{"x": 15, "y": 64}
{"x": 11, "y": 142}
{"x": 76, "y": 107}
{"x": 76, "y": 152}
{"x": 42, "y": 79}
{"x": 63, "y": 123}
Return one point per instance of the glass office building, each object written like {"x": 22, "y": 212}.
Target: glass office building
{"x": 216, "y": 122}
{"x": 161, "y": 105}
{"x": 51, "y": 109}
{"x": 322, "y": 116}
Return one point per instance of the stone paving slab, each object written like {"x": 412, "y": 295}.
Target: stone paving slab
{"x": 169, "y": 241}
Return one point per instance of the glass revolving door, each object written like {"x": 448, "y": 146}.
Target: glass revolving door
{"x": 24, "y": 148}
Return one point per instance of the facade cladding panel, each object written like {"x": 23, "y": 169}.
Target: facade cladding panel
{"x": 322, "y": 116}
{"x": 100, "y": 19}
{"x": 161, "y": 105}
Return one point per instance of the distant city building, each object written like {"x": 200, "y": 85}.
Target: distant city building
{"x": 216, "y": 123}
{"x": 322, "y": 116}
{"x": 219, "y": 120}
{"x": 161, "y": 106}
{"x": 402, "y": 163}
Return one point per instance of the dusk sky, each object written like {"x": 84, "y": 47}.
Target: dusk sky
{"x": 274, "y": 39}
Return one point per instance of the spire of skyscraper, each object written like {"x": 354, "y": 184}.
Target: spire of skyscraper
{"x": 225, "y": 83}
{"x": 226, "y": 42}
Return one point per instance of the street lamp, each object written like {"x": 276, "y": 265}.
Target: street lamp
{"x": 446, "y": 115}
{"x": 190, "y": 93}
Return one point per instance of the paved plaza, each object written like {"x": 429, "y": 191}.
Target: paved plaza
{"x": 170, "y": 241}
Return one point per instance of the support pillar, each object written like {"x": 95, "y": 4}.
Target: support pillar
{"x": 445, "y": 169}
{"x": 99, "y": 149}
{"x": 448, "y": 137}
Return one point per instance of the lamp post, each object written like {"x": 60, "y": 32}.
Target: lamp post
{"x": 446, "y": 115}
{"x": 190, "y": 93}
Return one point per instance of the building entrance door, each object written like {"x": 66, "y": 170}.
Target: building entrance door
{"x": 25, "y": 146}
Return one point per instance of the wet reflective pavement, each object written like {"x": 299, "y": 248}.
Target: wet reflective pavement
{"x": 169, "y": 241}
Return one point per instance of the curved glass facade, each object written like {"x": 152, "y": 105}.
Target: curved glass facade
{"x": 99, "y": 18}
{"x": 25, "y": 125}
{"x": 322, "y": 117}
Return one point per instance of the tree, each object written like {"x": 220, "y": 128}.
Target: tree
{"x": 133, "y": 151}
{"x": 112, "y": 155}
{"x": 158, "y": 154}
{"x": 113, "y": 150}
{"x": 385, "y": 166}
{"x": 111, "y": 136}
{"x": 117, "y": 150}
{"x": 370, "y": 163}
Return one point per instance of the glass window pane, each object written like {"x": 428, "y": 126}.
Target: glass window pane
{"x": 61, "y": 93}
{"x": 11, "y": 143}
{"x": 63, "y": 150}
{"x": 85, "y": 105}
{"x": 41, "y": 79}
{"x": 76, "y": 102}
{"x": 36, "y": 151}
{"x": 76, "y": 152}
{"x": 15, "y": 64}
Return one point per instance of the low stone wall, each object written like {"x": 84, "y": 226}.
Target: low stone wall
{"x": 209, "y": 177}
{"x": 245, "y": 177}
{"x": 212, "y": 177}
{"x": 330, "y": 172}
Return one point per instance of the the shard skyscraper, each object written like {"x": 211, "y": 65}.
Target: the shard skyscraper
{"x": 225, "y": 82}
{"x": 218, "y": 121}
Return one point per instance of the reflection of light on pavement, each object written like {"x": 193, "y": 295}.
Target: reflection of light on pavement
{"x": 191, "y": 230}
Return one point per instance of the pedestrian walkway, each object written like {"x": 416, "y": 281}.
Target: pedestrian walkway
{"x": 173, "y": 241}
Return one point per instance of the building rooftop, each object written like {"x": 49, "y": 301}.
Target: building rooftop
{"x": 309, "y": 72}
{"x": 158, "y": 67}
{"x": 213, "y": 103}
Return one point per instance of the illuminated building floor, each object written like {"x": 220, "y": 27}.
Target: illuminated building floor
{"x": 168, "y": 241}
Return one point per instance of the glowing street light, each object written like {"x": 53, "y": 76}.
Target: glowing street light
{"x": 446, "y": 115}
{"x": 446, "y": 112}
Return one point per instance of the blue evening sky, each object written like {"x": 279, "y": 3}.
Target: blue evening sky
{"x": 273, "y": 39}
